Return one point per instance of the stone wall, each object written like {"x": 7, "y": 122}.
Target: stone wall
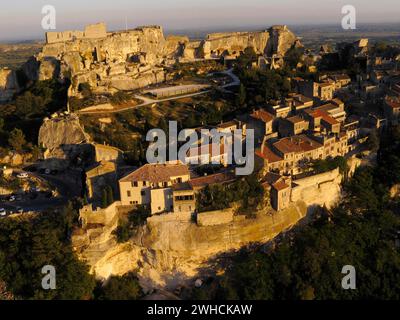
{"x": 318, "y": 190}
{"x": 8, "y": 84}
{"x": 171, "y": 249}
{"x": 105, "y": 216}
{"x": 214, "y": 218}
{"x": 132, "y": 59}
{"x": 92, "y": 31}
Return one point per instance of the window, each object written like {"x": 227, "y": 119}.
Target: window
{"x": 143, "y": 193}
{"x": 128, "y": 193}
{"x": 134, "y": 184}
{"x": 144, "y": 183}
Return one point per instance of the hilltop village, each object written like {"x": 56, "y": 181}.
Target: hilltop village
{"x": 316, "y": 116}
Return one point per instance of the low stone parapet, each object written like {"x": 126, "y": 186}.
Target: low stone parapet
{"x": 214, "y": 218}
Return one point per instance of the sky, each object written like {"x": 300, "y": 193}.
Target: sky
{"x": 21, "y": 19}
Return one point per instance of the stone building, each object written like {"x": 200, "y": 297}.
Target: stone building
{"x": 292, "y": 155}
{"x": 151, "y": 185}
{"x": 107, "y": 153}
{"x": 293, "y": 126}
{"x": 321, "y": 120}
{"x": 261, "y": 122}
{"x": 98, "y": 177}
{"x": 392, "y": 109}
{"x": 184, "y": 199}
{"x": 93, "y": 31}
{"x": 279, "y": 189}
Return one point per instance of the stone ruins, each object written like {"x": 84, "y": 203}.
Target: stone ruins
{"x": 132, "y": 59}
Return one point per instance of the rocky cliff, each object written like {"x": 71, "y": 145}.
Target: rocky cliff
{"x": 131, "y": 59}
{"x": 63, "y": 137}
{"x": 8, "y": 84}
{"x": 170, "y": 252}
{"x": 277, "y": 40}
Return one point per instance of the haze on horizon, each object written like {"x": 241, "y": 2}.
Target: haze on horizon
{"x": 21, "y": 20}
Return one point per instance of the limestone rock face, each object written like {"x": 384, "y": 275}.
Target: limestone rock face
{"x": 132, "y": 59}
{"x": 282, "y": 39}
{"x": 275, "y": 41}
{"x": 49, "y": 69}
{"x": 170, "y": 252}
{"x": 8, "y": 84}
{"x": 59, "y": 133}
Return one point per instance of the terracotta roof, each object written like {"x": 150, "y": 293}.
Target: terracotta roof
{"x": 262, "y": 115}
{"x": 280, "y": 185}
{"x": 267, "y": 154}
{"x": 222, "y": 177}
{"x": 295, "y": 119}
{"x": 300, "y": 143}
{"x": 393, "y": 102}
{"x": 271, "y": 177}
{"x": 156, "y": 173}
{"x": 207, "y": 150}
{"x": 184, "y": 186}
{"x": 319, "y": 113}
{"x": 327, "y": 118}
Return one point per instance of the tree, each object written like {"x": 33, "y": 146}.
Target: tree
{"x": 242, "y": 95}
{"x": 124, "y": 287}
{"x": 373, "y": 141}
{"x": 21, "y": 261}
{"x": 17, "y": 139}
{"x": 104, "y": 199}
{"x": 293, "y": 56}
{"x": 85, "y": 89}
{"x": 110, "y": 195}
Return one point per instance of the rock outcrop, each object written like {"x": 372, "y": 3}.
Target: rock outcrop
{"x": 170, "y": 252}
{"x": 8, "y": 84}
{"x": 277, "y": 40}
{"x": 62, "y": 136}
{"x": 136, "y": 58}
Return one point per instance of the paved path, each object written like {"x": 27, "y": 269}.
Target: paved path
{"x": 149, "y": 101}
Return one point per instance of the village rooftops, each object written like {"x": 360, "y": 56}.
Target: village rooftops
{"x": 156, "y": 173}
{"x": 207, "y": 149}
{"x": 271, "y": 178}
{"x": 295, "y": 119}
{"x": 266, "y": 153}
{"x": 280, "y": 185}
{"x": 262, "y": 115}
{"x": 324, "y": 115}
{"x": 275, "y": 180}
{"x": 184, "y": 186}
{"x": 393, "y": 102}
{"x": 296, "y": 144}
{"x": 218, "y": 178}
